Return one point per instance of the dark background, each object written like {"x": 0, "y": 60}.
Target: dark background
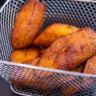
{"x": 4, "y": 86}
{"x": 2, "y": 2}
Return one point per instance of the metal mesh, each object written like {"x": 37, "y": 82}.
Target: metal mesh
{"x": 46, "y": 82}
{"x": 38, "y": 81}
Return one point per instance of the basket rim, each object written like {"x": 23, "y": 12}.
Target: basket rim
{"x": 47, "y": 69}
{"x": 18, "y": 93}
{"x": 6, "y": 2}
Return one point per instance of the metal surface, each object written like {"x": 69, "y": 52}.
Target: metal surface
{"x": 77, "y": 13}
{"x": 22, "y": 94}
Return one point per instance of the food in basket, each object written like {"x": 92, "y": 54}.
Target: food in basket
{"x": 28, "y": 23}
{"x": 70, "y": 88}
{"x": 32, "y": 61}
{"x": 21, "y": 77}
{"x": 78, "y": 69}
{"x": 66, "y": 78}
{"x": 42, "y": 50}
{"x": 51, "y": 80}
{"x": 27, "y": 78}
{"x": 73, "y": 86}
{"x": 22, "y": 55}
{"x": 70, "y": 50}
{"x": 52, "y": 33}
{"x": 90, "y": 67}
{"x": 87, "y": 82}
{"x": 67, "y": 53}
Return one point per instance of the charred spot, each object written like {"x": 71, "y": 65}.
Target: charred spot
{"x": 82, "y": 48}
{"x": 38, "y": 62}
{"x": 69, "y": 47}
{"x": 66, "y": 50}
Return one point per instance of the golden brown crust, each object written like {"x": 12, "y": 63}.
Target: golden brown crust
{"x": 78, "y": 69}
{"x": 70, "y": 50}
{"x": 22, "y": 55}
{"x": 42, "y": 51}
{"x": 32, "y": 61}
{"x": 86, "y": 82}
{"x": 40, "y": 80}
{"x": 27, "y": 78}
{"x": 90, "y": 67}
{"x": 21, "y": 77}
{"x": 52, "y": 33}
{"x": 66, "y": 53}
{"x": 75, "y": 83}
{"x": 28, "y": 23}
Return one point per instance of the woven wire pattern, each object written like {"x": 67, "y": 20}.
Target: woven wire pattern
{"x": 80, "y": 14}
{"x": 25, "y": 80}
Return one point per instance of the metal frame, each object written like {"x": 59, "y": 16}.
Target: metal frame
{"x": 19, "y": 93}
{"x": 47, "y": 69}
{"x": 85, "y": 0}
{"x": 56, "y": 71}
{"x": 93, "y": 1}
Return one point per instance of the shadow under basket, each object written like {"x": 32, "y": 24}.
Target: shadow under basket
{"x": 79, "y": 13}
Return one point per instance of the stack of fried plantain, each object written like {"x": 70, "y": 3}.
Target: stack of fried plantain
{"x": 59, "y": 46}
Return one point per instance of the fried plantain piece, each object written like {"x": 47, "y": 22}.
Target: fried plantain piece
{"x": 70, "y": 51}
{"x": 28, "y": 23}
{"x": 32, "y": 61}
{"x": 42, "y": 50}
{"x": 22, "y": 55}
{"x": 90, "y": 67}
{"x": 87, "y": 82}
{"x": 53, "y": 80}
{"x": 45, "y": 83}
{"x": 27, "y": 78}
{"x": 70, "y": 88}
{"x": 52, "y": 33}
{"x": 75, "y": 83}
{"x": 78, "y": 84}
{"x": 21, "y": 77}
{"x": 78, "y": 69}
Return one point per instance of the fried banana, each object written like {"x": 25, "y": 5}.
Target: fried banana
{"x": 28, "y": 78}
{"x": 22, "y": 55}
{"x": 70, "y": 51}
{"x": 42, "y": 51}
{"x": 74, "y": 83}
{"x": 21, "y": 77}
{"x": 28, "y": 24}
{"x": 52, "y": 33}
{"x": 70, "y": 88}
{"x": 78, "y": 69}
{"x": 90, "y": 67}
{"x": 87, "y": 82}
{"x": 32, "y": 61}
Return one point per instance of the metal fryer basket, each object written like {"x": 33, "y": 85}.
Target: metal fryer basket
{"x": 74, "y": 12}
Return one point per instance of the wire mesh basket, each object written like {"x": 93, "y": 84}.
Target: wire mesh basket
{"x": 79, "y": 13}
